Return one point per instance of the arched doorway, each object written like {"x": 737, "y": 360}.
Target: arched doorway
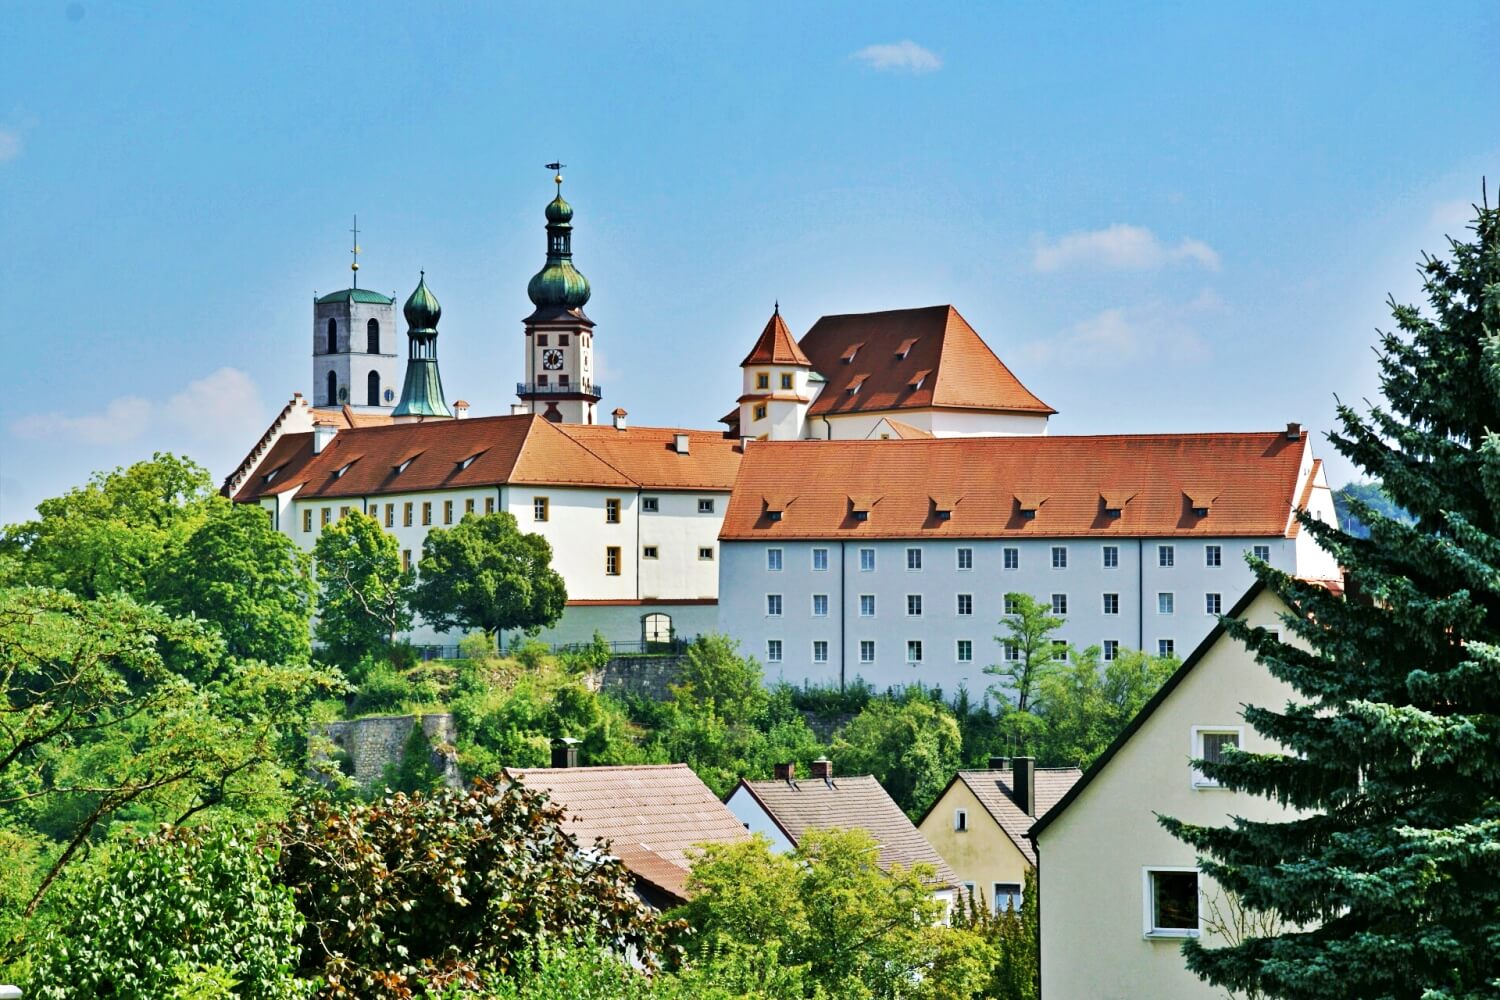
{"x": 656, "y": 628}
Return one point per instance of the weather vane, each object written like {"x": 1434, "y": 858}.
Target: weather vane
{"x": 556, "y": 169}
{"x": 354, "y": 264}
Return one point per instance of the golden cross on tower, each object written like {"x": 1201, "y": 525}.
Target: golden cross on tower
{"x": 354, "y": 264}
{"x": 556, "y": 169}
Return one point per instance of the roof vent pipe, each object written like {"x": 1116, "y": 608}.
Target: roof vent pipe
{"x": 460, "y": 410}
{"x": 564, "y": 752}
{"x": 619, "y": 416}
{"x": 322, "y": 434}
{"x": 1023, "y": 784}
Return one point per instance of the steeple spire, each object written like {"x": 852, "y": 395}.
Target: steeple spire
{"x": 558, "y": 286}
{"x": 422, "y": 393}
{"x": 354, "y": 252}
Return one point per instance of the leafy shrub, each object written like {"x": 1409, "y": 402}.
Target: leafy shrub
{"x": 532, "y": 653}
{"x": 476, "y": 646}
{"x": 170, "y": 913}
{"x": 413, "y": 772}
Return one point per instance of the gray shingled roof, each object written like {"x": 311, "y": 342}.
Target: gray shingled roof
{"x": 995, "y": 791}
{"x": 849, "y": 803}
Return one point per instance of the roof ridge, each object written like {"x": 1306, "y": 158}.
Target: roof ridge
{"x": 1142, "y": 436}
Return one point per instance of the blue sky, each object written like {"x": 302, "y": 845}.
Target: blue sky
{"x": 1161, "y": 216}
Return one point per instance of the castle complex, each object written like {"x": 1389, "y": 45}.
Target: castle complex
{"x": 882, "y": 483}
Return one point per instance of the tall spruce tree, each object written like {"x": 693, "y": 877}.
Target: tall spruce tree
{"x": 1388, "y": 881}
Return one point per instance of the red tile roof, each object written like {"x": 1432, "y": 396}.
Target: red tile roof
{"x": 647, "y": 455}
{"x": 776, "y": 346}
{"x": 994, "y": 480}
{"x": 885, "y": 351}
{"x": 994, "y": 790}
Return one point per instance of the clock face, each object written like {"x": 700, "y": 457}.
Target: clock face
{"x": 552, "y": 359}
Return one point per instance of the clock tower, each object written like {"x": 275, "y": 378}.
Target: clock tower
{"x": 559, "y": 367}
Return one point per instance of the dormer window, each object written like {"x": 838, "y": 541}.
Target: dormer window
{"x": 861, "y": 515}
{"x": 775, "y": 506}
{"x": 848, "y": 355}
{"x": 1114, "y": 502}
{"x": 905, "y": 348}
{"x": 859, "y": 506}
{"x": 942, "y": 507}
{"x": 773, "y": 515}
{"x": 1201, "y": 500}
{"x": 1029, "y": 503}
{"x": 855, "y": 383}
{"x": 342, "y": 469}
{"x": 464, "y": 463}
{"x": 919, "y": 378}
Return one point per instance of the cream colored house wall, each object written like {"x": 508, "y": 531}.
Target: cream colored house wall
{"x": 1093, "y": 856}
{"x": 942, "y": 423}
{"x": 983, "y": 854}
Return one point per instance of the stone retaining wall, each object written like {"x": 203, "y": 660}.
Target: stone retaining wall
{"x": 366, "y": 746}
{"x": 647, "y": 676}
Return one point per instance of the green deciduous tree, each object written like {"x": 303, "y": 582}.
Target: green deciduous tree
{"x": 1083, "y": 707}
{"x": 1388, "y": 883}
{"x": 912, "y": 747}
{"x": 715, "y": 676}
{"x": 486, "y": 573}
{"x": 365, "y": 595}
{"x": 1016, "y": 937}
{"x": 1029, "y": 630}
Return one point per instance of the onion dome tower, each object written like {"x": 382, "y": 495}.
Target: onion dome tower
{"x": 559, "y": 336}
{"x": 422, "y": 393}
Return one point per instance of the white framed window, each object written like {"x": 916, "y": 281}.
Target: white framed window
{"x": 965, "y": 558}
{"x": 820, "y": 560}
{"x": 1012, "y": 652}
{"x": 1011, "y": 558}
{"x": 1059, "y": 649}
{"x": 1111, "y": 557}
{"x": 705, "y": 552}
{"x": 965, "y": 605}
{"x": 1166, "y": 603}
{"x": 648, "y": 552}
{"x": 1005, "y": 896}
{"x": 1169, "y": 902}
{"x": 914, "y": 605}
{"x": 539, "y": 508}
{"x": 705, "y": 505}
{"x": 1213, "y": 604}
{"x": 1166, "y": 555}
{"x": 1011, "y": 605}
{"x": 1261, "y": 552}
{"x": 1059, "y": 557}
{"x": 1059, "y": 604}
{"x": 1213, "y": 555}
{"x": 650, "y": 505}
{"x": 1166, "y": 647}
{"x": 965, "y": 651}
{"x": 820, "y": 605}
{"x": 1111, "y": 649}
{"x": 961, "y": 825}
{"x": 867, "y": 605}
{"x": 820, "y": 650}
{"x": 913, "y": 558}
{"x": 867, "y": 560}
{"x": 773, "y": 650}
{"x": 1209, "y": 743}
{"x": 773, "y": 605}
{"x": 773, "y": 560}
{"x": 913, "y": 650}
{"x": 867, "y": 651}
{"x": 1111, "y": 604}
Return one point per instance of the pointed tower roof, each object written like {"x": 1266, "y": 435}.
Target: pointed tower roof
{"x": 422, "y": 392}
{"x": 776, "y": 346}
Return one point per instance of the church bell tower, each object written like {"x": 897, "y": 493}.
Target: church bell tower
{"x": 354, "y": 346}
{"x": 559, "y": 367}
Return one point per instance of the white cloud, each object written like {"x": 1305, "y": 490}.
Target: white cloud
{"x": 10, "y": 145}
{"x": 1121, "y": 248}
{"x": 1151, "y": 331}
{"x": 225, "y": 404}
{"x": 901, "y": 57}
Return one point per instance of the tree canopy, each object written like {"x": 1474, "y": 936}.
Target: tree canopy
{"x": 364, "y": 594}
{"x": 486, "y": 573}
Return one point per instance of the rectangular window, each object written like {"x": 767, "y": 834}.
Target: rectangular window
{"x": 1261, "y": 552}
{"x": 867, "y": 651}
{"x": 1209, "y": 744}
{"x": 759, "y": 412}
{"x": 961, "y": 825}
{"x": 773, "y": 605}
{"x": 469, "y": 506}
{"x": 867, "y": 605}
{"x": 406, "y": 510}
{"x": 1111, "y": 556}
{"x": 1213, "y": 555}
{"x": 406, "y": 559}
{"x": 705, "y": 505}
{"x": 820, "y": 560}
{"x": 965, "y": 604}
{"x": 447, "y": 511}
{"x": 1059, "y": 649}
{"x": 913, "y": 558}
{"x": 1171, "y": 904}
{"x": 612, "y": 560}
{"x": 914, "y": 605}
{"x": 1111, "y": 649}
{"x": 344, "y": 512}
{"x": 650, "y": 505}
{"x": 1111, "y": 604}
{"x": 489, "y": 505}
{"x": 1012, "y": 559}
{"x": 540, "y": 508}
{"x": 913, "y": 650}
{"x": 1059, "y": 604}
{"x": 1012, "y": 606}
{"x": 648, "y": 552}
{"x": 1006, "y": 896}
{"x": 762, "y": 380}
{"x": 786, "y": 380}
{"x": 1059, "y": 557}
{"x": 307, "y": 519}
{"x": 773, "y": 650}
{"x": 1012, "y": 652}
{"x": 390, "y": 515}
{"x": 324, "y": 516}
{"x": 426, "y": 511}
{"x": 705, "y": 552}
{"x": 965, "y": 558}
{"x": 867, "y": 560}
{"x": 773, "y": 560}
{"x": 1166, "y": 647}
{"x": 1213, "y": 604}
{"x": 611, "y": 510}
{"x": 1165, "y": 603}
{"x": 562, "y": 340}
{"x": 1166, "y": 555}
{"x": 965, "y": 651}
{"x": 820, "y": 650}
{"x": 541, "y": 340}
{"x": 820, "y": 605}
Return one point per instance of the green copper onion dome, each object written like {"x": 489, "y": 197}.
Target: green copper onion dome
{"x": 559, "y": 285}
{"x": 422, "y": 309}
{"x": 559, "y": 210}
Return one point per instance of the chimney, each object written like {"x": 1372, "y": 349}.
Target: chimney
{"x": 1023, "y": 784}
{"x": 1293, "y": 431}
{"x": 460, "y": 410}
{"x": 823, "y": 768}
{"x": 619, "y": 416}
{"x": 999, "y": 763}
{"x": 680, "y": 443}
{"x": 518, "y": 409}
{"x": 564, "y": 752}
{"x": 322, "y": 434}
{"x": 786, "y": 772}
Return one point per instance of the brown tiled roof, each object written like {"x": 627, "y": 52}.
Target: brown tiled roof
{"x": 852, "y": 803}
{"x": 526, "y": 449}
{"x": 905, "y": 431}
{"x": 1063, "y": 479}
{"x": 964, "y": 372}
{"x": 994, "y": 790}
{"x": 776, "y": 346}
{"x": 652, "y": 815}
